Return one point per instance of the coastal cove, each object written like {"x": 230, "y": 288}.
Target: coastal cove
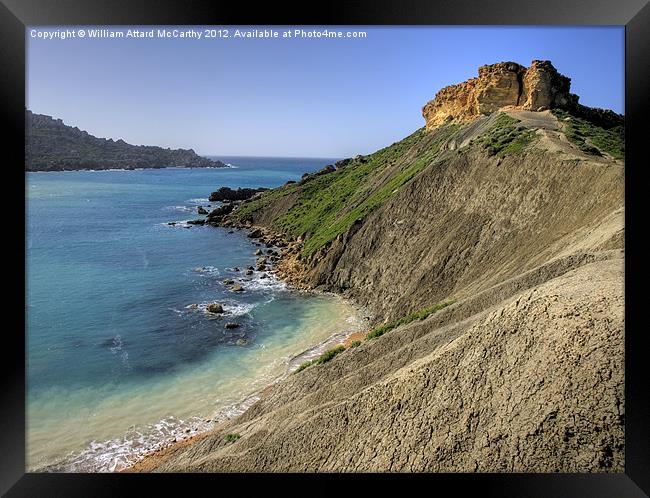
{"x": 126, "y": 359}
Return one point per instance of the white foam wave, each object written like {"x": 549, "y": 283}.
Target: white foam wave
{"x": 238, "y": 309}
{"x": 179, "y": 224}
{"x": 230, "y": 308}
{"x": 270, "y": 283}
{"x": 182, "y": 209}
{"x": 198, "y": 201}
{"x": 117, "y": 454}
{"x": 207, "y": 270}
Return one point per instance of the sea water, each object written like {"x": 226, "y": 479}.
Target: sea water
{"x": 121, "y": 355}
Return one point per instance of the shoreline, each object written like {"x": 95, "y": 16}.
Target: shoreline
{"x": 285, "y": 273}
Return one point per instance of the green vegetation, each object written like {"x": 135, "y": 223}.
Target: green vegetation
{"x": 379, "y": 331}
{"x": 324, "y": 358}
{"x": 247, "y": 208}
{"x": 328, "y": 205}
{"x": 231, "y": 438}
{"x": 417, "y": 315}
{"x": 593, "y": 139}
{"x": 303, "y": 366}
{"x": 505, "y": 137}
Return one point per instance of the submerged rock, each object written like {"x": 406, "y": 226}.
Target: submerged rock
{"x": 228, "y": 281}
{"x": 231, "y": 325}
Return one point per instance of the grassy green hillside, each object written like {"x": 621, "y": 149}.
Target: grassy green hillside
{"x": 324, "y": 207}
{"x": 327, "y": 206}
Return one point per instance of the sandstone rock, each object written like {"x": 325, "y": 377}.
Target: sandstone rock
{"x": 237, "y": 288}
{"x": 255, "y": 234}
{"x": 505, "y": 84}
{"x": 201, "y": 210}
{"x": 249, "y": 272}
{"x": 258, "y": 252}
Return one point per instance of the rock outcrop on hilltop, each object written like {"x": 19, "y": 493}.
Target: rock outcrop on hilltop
{"x": 51, "y": 145}
{"x": 514, "y": 214}
{"x": 505, "y": 84}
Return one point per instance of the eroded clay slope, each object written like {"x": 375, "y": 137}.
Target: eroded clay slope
{"x": 470, "y": 221}
{"x": 533, "y": 383}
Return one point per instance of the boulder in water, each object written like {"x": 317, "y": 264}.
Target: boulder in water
{"x": 214, "y": 308}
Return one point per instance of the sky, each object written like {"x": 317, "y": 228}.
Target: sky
{"x": 292, "y": 97}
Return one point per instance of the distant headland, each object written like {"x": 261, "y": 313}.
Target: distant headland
{"x": 51, "y": 145}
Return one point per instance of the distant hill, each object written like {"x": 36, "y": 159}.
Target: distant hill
{"x": 51, "y": 145}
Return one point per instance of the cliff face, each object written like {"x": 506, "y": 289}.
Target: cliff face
{"x": 506, "y": 84}
{"x": 51, "y": 145}
{"x": 518, "y": 217}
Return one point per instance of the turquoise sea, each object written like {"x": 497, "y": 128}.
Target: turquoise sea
{"x": 119, "y": 360}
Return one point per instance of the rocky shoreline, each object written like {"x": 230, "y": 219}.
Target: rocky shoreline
{"x": 278, "y": 256}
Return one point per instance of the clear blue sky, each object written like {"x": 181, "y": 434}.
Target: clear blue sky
{"x": 295, "y": 97}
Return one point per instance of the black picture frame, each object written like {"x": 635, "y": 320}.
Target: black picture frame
{"x": 15, "y": 15}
